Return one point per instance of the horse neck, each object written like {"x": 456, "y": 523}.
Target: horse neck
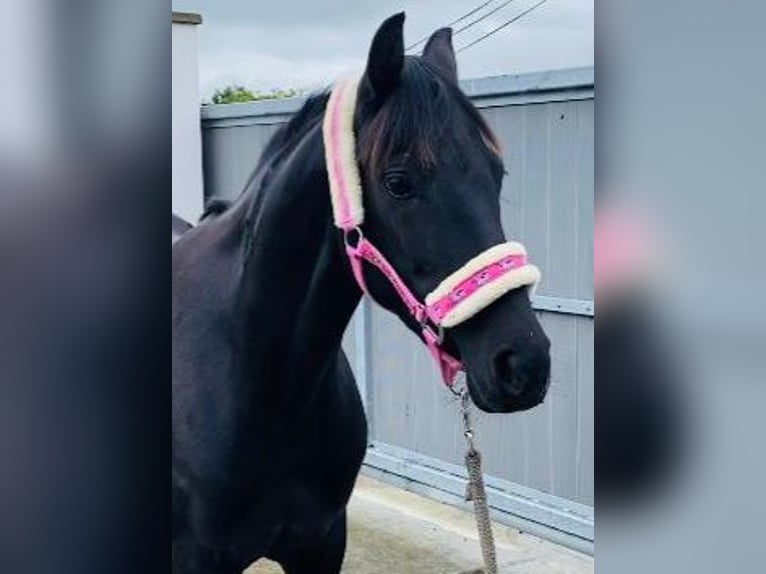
{"x": 297, "y": 292}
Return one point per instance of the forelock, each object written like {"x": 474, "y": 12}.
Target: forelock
{"x": 415, "y": 118}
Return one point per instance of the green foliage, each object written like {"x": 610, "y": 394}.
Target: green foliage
{"x": 239, "y": 94}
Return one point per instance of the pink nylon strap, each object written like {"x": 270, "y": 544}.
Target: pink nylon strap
{"x": 449, "y": 366}
{"x": 493, "y": 271}
{"x": 363, "y": 251}
{"x": 366, "y": 251}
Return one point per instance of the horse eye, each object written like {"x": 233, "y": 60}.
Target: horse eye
{"x": 397, "y": 185}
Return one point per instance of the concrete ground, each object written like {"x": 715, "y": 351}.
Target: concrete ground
{"x": 392, "y": 531}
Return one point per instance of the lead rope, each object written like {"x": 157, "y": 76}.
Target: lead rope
{"x": 475, "y": 491}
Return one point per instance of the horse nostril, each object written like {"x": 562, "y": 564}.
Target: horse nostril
{"x": 506, "y": 366}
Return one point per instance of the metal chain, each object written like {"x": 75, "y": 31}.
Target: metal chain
{"x": 475, "y": 490}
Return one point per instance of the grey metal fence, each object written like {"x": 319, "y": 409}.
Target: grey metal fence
{"x": 540, "y": 462}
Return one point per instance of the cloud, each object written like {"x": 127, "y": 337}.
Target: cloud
{"x": 300, "y": 43}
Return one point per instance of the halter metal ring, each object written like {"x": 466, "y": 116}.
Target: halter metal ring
{"x": 436, "y": 330}
{"x": 359, "y": 237}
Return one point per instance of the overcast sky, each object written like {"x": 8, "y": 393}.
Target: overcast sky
{"x": 267, "y": 44}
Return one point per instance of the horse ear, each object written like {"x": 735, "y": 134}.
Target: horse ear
{"x": 440, "y": 54}
{"x": 386, "y": 58}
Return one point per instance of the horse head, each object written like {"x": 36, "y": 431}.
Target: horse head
{"x": 432, "y": 170}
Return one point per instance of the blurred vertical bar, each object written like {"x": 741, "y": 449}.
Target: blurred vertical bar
{"x": 85, "y": 181}
{"x": 680, "y": 360}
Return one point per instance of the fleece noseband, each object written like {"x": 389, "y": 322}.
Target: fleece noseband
{"x": 468, "y": 290}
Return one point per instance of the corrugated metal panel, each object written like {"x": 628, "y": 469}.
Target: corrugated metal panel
{"x": 545, "y": 123}
{"x": 230, "y": 155}
{"x": 548, "y": 448}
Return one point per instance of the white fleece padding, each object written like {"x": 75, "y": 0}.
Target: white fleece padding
{"x": 489, "y": 293}
{"x": 340, "y": 154}
{"x": 473, "y": 266}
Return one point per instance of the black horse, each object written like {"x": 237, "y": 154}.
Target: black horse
{"x": 268, "y": 427}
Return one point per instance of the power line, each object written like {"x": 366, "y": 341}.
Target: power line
{"x": 463, "y": 17}
{"x": 482, "y": 17}
{"x": 475, "y": 21}
{"x": 503, "y": 25}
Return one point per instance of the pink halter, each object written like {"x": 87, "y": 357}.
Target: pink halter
{"x": 474, "y": 286}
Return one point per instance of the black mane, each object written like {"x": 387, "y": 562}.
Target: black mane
{"x": 287, "y": 137}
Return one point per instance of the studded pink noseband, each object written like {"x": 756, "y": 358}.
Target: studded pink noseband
{"x": 473, "y": 287}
